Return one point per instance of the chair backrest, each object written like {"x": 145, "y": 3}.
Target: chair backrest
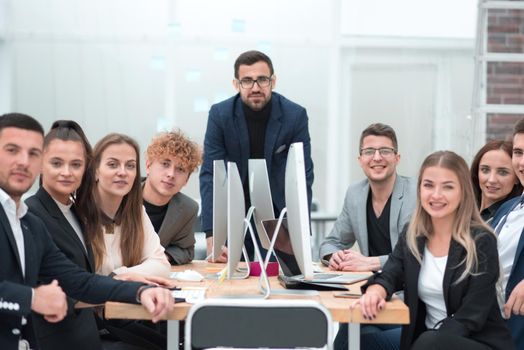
{"x": 245, "y": 323}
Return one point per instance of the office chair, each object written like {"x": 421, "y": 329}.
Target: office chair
{"x": 244, "y": 323}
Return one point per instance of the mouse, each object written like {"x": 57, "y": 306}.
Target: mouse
{"x": 188, "y": 275}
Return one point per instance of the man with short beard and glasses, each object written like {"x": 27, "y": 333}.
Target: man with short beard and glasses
{"x": 255, "y": 123}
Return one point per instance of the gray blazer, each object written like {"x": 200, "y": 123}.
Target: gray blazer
{"x": 176, "y": 233}
{"x": 351, "y": 224}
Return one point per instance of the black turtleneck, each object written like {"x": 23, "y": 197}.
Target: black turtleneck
{"x": 256, "y": 127}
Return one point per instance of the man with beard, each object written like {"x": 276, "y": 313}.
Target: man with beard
{"x": 255, "y": 123}
{"x": 375, "y": 211}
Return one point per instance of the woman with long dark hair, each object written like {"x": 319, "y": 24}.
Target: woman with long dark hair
{"x": 65, "y": 204}
{"x": 493, "y": 177}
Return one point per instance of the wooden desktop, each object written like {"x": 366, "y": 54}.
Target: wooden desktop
{"x": 395, "y": 312}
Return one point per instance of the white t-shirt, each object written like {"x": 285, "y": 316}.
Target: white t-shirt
{"x": 430, "y": 291}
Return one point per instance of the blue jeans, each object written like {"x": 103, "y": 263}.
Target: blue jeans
{"x": 372, "y": 337}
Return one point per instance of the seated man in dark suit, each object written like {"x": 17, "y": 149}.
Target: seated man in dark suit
{"x": 171, "y": 158}
{"x": 28, "y": 254}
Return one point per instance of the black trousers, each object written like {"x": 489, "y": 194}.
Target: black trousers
{"x": 430, "y": 340}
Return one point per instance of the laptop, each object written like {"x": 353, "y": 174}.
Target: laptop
{"x": 286, "y": 258}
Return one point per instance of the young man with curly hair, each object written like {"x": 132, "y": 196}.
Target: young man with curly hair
{"x": 170, "y": 159}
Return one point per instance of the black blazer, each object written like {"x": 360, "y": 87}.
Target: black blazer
{"x": 78, "y": 330}
{"x": 471, "y": 304}
{"x": 44, "y": 262}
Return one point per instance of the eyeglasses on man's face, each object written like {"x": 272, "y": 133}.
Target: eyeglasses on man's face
{"x": 248, "y": 83}
{"x": 383, "y": 151}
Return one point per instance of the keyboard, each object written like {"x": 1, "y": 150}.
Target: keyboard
{"x": 189, "y": 295}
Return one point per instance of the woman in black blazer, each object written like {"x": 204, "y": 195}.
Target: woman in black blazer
{"x": 447, "y": 265}
{"x": 65, "y": 204}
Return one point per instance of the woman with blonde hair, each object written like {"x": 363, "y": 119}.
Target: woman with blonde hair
{"x": 447, "y": 265}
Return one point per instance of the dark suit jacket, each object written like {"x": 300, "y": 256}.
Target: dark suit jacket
{"x": 516, "y": 322}
{"x": 78, "y": 330}
{"x": 45, "y": 262}
{"x": 176, "y": 233}
{"x": 471, "y": 304}
{"x": 227, "y": 138}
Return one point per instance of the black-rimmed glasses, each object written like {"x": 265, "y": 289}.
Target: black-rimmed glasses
{"x": 248, "y": 83}
{"x": 383, "y": 151}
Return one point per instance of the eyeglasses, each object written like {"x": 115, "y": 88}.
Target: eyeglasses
{"x": 248, "y": 83}
{"x": 383, "y": 151}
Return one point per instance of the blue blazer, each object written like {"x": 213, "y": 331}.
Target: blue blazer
{"x": 515, "y": 323}
{"x": 227, "y": 138}
{"x": 43, "y": 262}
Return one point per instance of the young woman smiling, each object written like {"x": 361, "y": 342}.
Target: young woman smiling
{"x": 493, "y": 177}
{"x": 447, "y": 265}
{"x": 65, "y": 204}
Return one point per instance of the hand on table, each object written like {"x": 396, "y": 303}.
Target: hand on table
{"x": 372, "y": 301}
{"x": 158, "y": 302}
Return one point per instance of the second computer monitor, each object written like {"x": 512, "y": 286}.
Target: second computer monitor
{"x": 236, "y": 211}
{"x": 297, "y": 209}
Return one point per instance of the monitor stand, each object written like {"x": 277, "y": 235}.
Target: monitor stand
{"x": 263, "y": 279}
{"x": 271, "y": 250}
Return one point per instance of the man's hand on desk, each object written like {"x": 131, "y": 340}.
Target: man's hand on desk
{"x": 223, "y": 256}
{"x": 158, "y": 302}
{"x": 351, "y": 260}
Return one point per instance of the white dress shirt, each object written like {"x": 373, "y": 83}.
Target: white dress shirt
{"x": 14, "y": 215}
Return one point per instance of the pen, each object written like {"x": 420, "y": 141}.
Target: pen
{"x": 348, "y": 295}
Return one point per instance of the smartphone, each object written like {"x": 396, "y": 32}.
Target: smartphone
{"x": 348, "y": 295}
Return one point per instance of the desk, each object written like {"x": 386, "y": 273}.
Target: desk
{"x": 395, "y": 312}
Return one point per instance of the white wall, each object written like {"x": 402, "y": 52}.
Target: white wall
{"x": 138, "y": 66}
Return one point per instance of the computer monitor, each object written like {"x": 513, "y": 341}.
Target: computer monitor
{"x": 236, "y": 211}
{"x": 219, "y": 207}
{"x": 297, "y": 209}
{"x": 260, "y": 194}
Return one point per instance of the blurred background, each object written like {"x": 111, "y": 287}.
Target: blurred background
{"x": 142, "y": 66}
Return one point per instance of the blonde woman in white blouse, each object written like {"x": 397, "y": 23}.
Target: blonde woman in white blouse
{"x": 127, "y": 246}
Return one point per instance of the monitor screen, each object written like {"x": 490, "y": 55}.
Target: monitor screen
{"x": 283, "y": 249}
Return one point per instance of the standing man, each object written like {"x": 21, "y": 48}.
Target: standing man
{"x": 28, "y": 254}
{"x": 375, "y": 212}
{"x": 509, "y": 224}
{"x": 255, "y": 123}
{"x": 170, "y": 160}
